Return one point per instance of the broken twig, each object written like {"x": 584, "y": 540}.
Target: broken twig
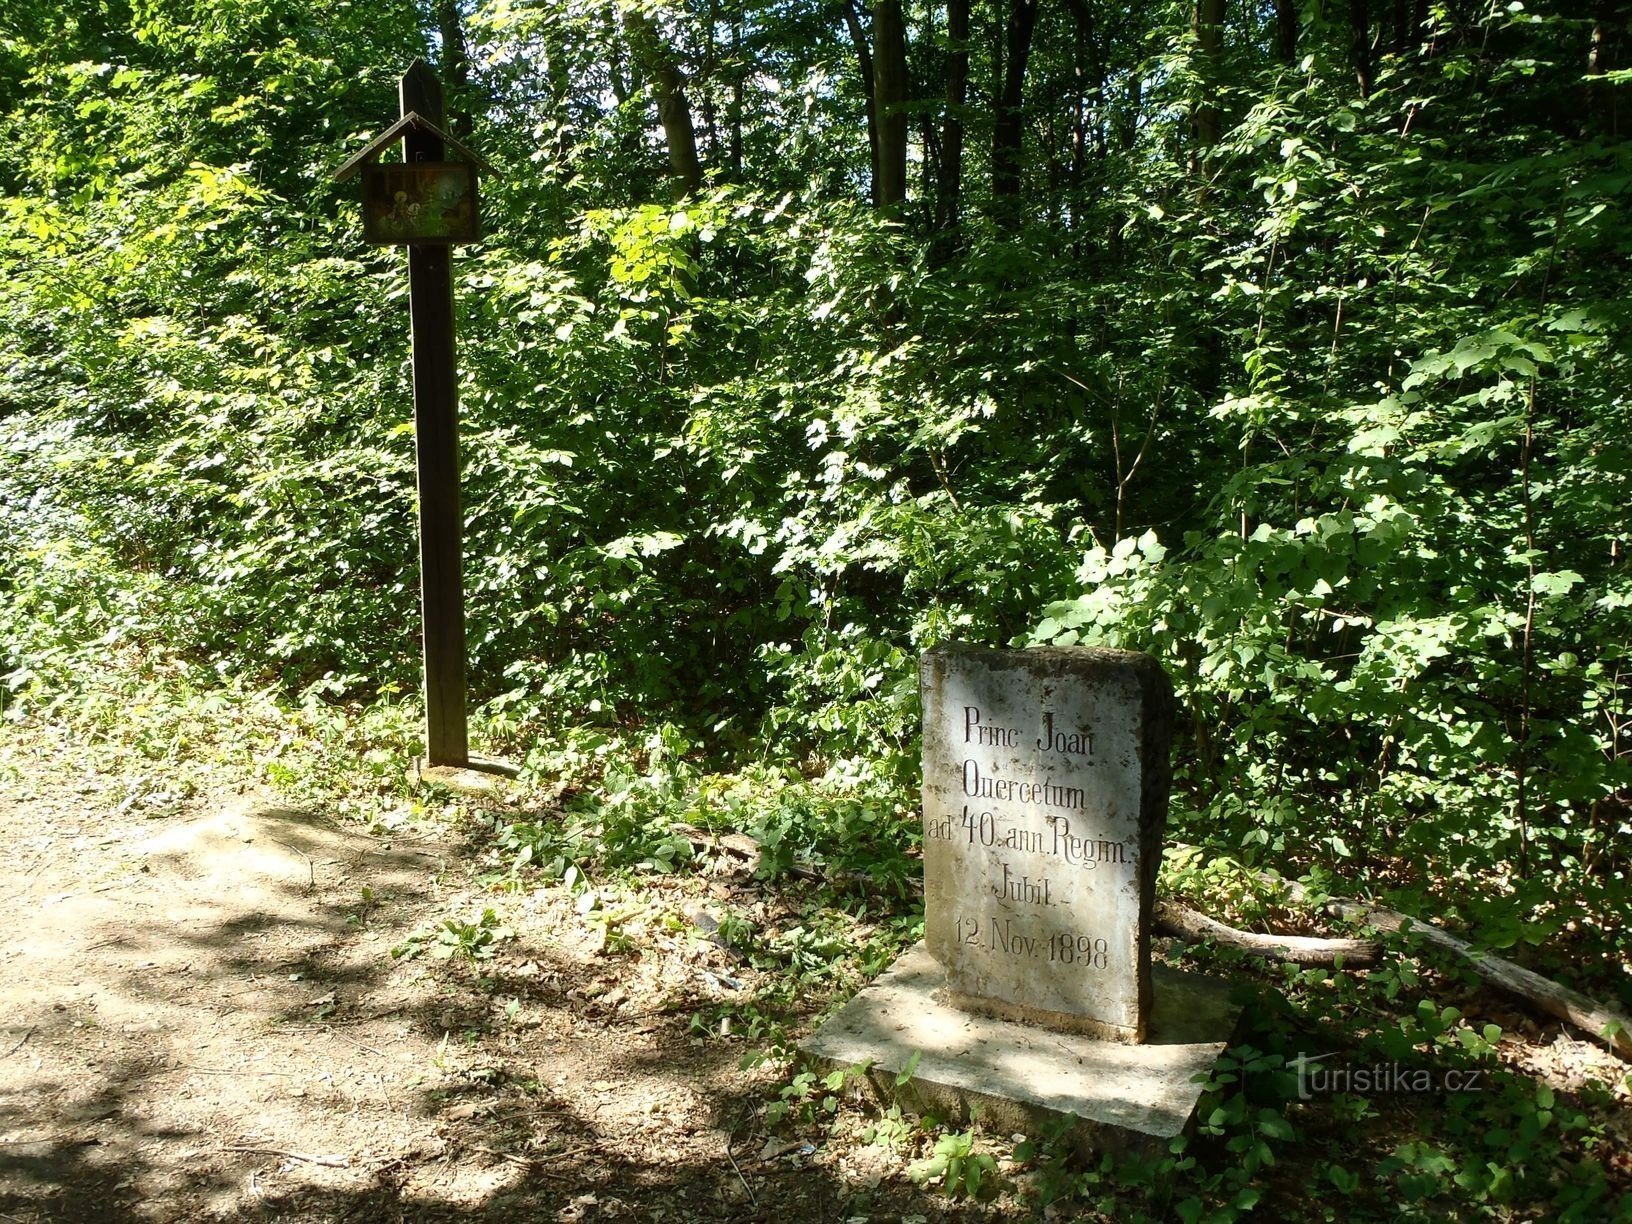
{"x": 331, "y": 1162}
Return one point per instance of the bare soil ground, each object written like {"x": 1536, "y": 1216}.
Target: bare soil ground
{"x": 201, "y": 1019}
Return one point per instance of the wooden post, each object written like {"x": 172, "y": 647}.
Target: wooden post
{"x": 436, "y": 436}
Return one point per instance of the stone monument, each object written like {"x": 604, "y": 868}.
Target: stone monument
{"x": 1045, "y": 788}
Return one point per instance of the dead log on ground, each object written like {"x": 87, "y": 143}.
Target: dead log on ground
{"x": 1604, "y": 1025}
{"x": 1173, "y": 918}
{"x": 1608, "y": 1027}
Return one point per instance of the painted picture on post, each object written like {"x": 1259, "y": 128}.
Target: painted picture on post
{"x": 429, "y": 202}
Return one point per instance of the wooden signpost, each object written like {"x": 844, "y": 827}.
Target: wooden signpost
{"x": 428, "y": 204}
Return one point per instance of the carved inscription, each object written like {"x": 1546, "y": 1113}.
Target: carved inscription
{"x": 1035, "y": 835}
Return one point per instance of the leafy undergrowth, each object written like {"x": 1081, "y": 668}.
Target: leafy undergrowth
{"x": 1404, "y": 1092}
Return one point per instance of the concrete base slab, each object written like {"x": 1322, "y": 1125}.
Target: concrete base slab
{"x": 1019, "y": 1077}
{"x": 480, "y": 778}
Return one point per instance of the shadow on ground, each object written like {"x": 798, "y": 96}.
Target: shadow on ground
{"x": 205, "y": 1021}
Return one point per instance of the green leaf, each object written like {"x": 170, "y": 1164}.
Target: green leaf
{"x": 910, "y": 1069}
{"x": 1560, "y": 582}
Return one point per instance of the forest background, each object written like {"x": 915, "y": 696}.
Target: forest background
{"x": 1288, "y": 342}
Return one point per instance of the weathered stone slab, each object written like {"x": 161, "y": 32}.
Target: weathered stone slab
{"x": 1045, "y": 795}
{"x": 1020, "y": 1077}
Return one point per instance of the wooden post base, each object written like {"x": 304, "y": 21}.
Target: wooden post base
{"x": 482, "y": 779}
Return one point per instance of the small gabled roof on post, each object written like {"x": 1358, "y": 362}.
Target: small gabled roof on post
{"x": 412, "y": 120}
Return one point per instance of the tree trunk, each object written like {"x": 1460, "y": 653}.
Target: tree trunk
{"x": 1602, "y": 1023}
{"x": 948, "y": 199}
{"x": 1008, "y": 128}
{"x": 1604, "y": 54}
{"x": 673, "y": 108}
{"x": 889, "y": 96}
{"x": 1360, "y": 44}
{"x": 736, "y": 97}
{"x": 1128, "y": 128}
{"x": 1401, "y": 23}
{"x": 1286, "y": 31}
{"x": 708, "y": 73}
{"x": 929, "y": 165}
{"x": 864, "y": 65}
{"x": 623, "y": 74}
{"x": 455, "y": 63}
{"x": 1089, "y": 96}
{"x": 1209, "y": 29}
{"x": 622, "y": 86}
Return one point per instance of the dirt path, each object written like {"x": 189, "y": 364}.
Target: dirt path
{"x": 200, "y": 1018}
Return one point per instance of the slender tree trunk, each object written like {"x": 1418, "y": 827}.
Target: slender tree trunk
{"x": 929, "y": 166}
{"x": 1401, "y": 22}
{"x": 1008, "y": 128}
{"x": 455, "y": 63}
{"x": 1056, "y": 168}
{"x": 864, "y": 65}
{"x": 623, "y": 74}
{"x": 1128, "y": 128}
{"x": 1093, "y": 51}
{"x": 889, "y": 96}
{"x": 1360, "y": 44}
{"x": 1286, "y": 31}
{"x": 948, "y": 202}
{"x": 1089, "y": 116}
{"x": 1206, "y": 118}
{"x": 1604, "y": 54}
{"x": 709, "y": 73}
{"x": 622, "y": 86}
{"x": 673, "y": 107}
{"x": 1079, "y": 135}
{"x": 736, "y": 96}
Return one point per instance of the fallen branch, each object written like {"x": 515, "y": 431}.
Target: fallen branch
{"x": 747, "y": 1189}
{"x": 1607, "y": 1027}
{"x": 747, "y": 849}
{"x": 1604, "y": 1025}
{"x": 332, "y": 1162}
{"x": 1186, "y": 923}
{"x": 525, "y": 1162}
{"x": 532, "y": 1164}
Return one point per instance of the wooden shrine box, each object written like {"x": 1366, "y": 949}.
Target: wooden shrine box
{"x": 421, "y": 203}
